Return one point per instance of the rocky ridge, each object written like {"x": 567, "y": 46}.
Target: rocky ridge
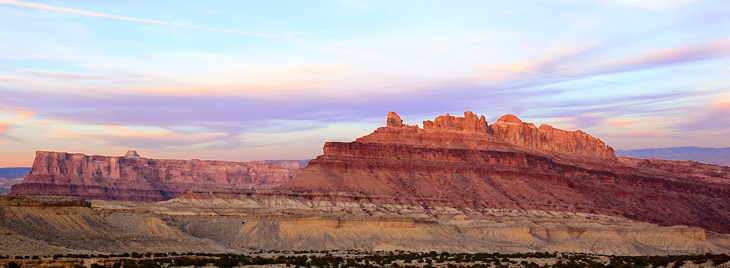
{"x": 132, "y": 177}
{"x": 514, "y": 165}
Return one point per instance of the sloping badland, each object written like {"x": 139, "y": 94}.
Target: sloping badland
{"x": 457, "y": 184}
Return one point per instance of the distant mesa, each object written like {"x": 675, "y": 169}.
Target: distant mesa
{"x": 10, "y": 177}
{"x": 717, "y": 156}
{"x": 7, "y": 184}
{"x": 13, "y": 172}
{"x": 144, "y": 179}
{"x": 290, "y": 163}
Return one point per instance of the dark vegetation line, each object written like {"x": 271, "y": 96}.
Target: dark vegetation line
{"x": 395, "y": 259}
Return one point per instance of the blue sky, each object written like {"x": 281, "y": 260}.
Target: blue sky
{"x": 248, "y": 80}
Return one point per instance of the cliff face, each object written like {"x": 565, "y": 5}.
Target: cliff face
{"x": 143, "y": 179}
{"x": 511, "y": 129}
{"x": 517, "y": 167}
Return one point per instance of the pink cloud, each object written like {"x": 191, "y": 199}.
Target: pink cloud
{"x": 21, "y": 114}
{"x": 141, "y": 138}
{"x": 620, "y": 123}
{"x": 723, "y": 104}
{"x": 646, "y": 134}
{"x": 691, "y": 53}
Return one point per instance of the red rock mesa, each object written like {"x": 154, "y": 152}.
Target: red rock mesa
{"x": 132, "y": 177}
{"x": 464, "y": 163}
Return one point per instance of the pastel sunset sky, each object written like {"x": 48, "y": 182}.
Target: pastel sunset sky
{"x": 254, "y": 80}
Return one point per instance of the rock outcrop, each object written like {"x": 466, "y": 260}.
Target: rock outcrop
{"x": 394, "y": 120}
{"x": 469, "y": 123}
{"x": 519, "y": 167}
{"x": 511, "y": 129}
{"x": 132, "y": 177}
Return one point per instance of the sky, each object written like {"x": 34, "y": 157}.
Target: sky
{"x": 255, "y": 80}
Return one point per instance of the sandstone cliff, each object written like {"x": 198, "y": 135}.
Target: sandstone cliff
{"x": 518, "y": 167}
{"x": 132, "y": 177}
{"x": 511, "y": 129}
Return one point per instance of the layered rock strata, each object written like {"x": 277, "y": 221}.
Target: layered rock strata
{"x": 47, "y": 225}
{"x": 132, "y": 177}
{"x": 517, "y": 167}
{"x": 285, "y": 220}
{"x": 244, "y": 221}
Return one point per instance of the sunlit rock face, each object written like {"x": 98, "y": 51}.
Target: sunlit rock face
{"x": 455, "y": 162}
{"x": 132, "y": 177}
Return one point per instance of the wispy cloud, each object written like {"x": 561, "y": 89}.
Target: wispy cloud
{"x": 656, "y": 5}
{"x": 621, "y": 123}
{"x": 115, "y": 17}
{"x": 142, "y": 138}
{"x": 715, "y": 117}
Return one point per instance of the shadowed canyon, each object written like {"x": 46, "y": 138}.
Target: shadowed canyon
{"x": 456, "y": 184}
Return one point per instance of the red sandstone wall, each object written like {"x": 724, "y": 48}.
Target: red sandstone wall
{"x": 143, "y": 179}
{"x": 519, "y": 167}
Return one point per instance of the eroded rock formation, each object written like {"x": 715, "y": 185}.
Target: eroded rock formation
{"x": 469, "y": 123}
{"x": 519, "y": 167}
{"x": 511, "y": 129}
{"x": 132, "y": 177}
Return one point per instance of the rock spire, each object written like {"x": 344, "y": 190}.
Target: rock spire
{"x": 394, "y": 120}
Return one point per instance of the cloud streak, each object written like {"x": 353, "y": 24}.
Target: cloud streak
{"x": 115, "y": 17}
{"x": 547, "y": 68}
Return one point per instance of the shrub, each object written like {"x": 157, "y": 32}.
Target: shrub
{"x": 225, "y": 262}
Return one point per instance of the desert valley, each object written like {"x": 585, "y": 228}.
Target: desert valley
{"x": 456, "y": 185}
